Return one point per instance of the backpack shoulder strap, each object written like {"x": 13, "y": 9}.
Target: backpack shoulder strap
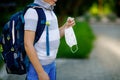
{"x": 41, "y": 23}
{"x": 41, "y": 20}
{"x": 32, "y": 5}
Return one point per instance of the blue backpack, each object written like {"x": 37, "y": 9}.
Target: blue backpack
{"x": 12, "y": 40}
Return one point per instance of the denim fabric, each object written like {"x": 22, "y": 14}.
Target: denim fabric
{"x": 50, "y": 69}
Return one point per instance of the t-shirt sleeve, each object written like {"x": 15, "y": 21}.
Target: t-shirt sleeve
{"x": 31, "y": 19}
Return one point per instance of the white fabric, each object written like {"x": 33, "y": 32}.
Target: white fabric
{"x": 54, "y": 37}
{"x": 31, "y": 19}
{"x": 70, "y": 39}
{"x": 44, "y": 4}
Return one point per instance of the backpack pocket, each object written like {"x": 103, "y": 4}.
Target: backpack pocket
{"x": 14, "y": 62}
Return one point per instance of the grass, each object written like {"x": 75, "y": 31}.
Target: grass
{"x": 85, "y": 38}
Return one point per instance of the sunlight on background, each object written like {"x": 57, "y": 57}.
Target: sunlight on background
{"x": 111, "y": 44}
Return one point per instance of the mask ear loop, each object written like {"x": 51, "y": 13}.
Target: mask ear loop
{"x": 74, "y": 51}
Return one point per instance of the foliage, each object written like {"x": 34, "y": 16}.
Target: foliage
{"x": 112, "y": 17}
{"x": 1, "y": 59}
{"x": 8, "y": 7}
{"x": 63, "y": 8}
{"x": 94, "y": 9}
{"x": 72, "y": 8}
{"x": 107, "y": 9}
{"x": 117, "y": 7}
{"x": 85, "y": 38}
{"x": 110, "y": 3}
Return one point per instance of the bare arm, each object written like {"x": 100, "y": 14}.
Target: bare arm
{"x": 62, "y": 28}
{"x": 28, "y": 41}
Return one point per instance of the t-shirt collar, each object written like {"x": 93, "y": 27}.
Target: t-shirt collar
{"x": 44, "y": 4}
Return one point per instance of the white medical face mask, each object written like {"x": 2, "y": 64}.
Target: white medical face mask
{"x": 70, "y": 39}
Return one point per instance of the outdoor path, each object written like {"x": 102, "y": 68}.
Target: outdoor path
{"x": 104, "y": 61}
{"x": 104, "y": 64}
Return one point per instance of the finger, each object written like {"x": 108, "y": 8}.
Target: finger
{"x": 70, "y": 19}
{"x": 71, "y": 24}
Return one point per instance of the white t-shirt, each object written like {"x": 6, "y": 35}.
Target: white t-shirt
{"x": 31, "y": 20}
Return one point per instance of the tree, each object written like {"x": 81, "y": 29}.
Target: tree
{"x": 63, "y": 8}
{"x": 72, "y": 8}
{"x": 117, "y": 8}
{"x": 8, "y": 7}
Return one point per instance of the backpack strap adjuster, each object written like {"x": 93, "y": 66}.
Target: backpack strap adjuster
{"x": 12, "y": 49}
{"x": 8, "y": 37}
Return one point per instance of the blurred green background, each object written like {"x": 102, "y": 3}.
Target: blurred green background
{"x": 82, "y": 10}
{"x": 64, "y": 8}
{"x": 85, "y": 38}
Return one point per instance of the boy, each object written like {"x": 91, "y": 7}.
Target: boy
{"x": 42, "y": 66}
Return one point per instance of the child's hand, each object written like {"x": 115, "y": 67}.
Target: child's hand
{"x": 70, "y": 22}
{"x": 43, "y": 76}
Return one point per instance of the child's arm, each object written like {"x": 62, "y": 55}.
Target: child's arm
{"x": 30, "y": 50}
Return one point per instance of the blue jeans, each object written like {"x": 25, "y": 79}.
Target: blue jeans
{"x": 50, "y": 69}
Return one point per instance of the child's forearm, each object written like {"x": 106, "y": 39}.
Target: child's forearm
{"x": 42, "y": 75}
{"x": 69, "y": 23}
{"x": 30, "y": 50}
{"x": 33, "y": 58}
{"x": 61, "y": 29}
